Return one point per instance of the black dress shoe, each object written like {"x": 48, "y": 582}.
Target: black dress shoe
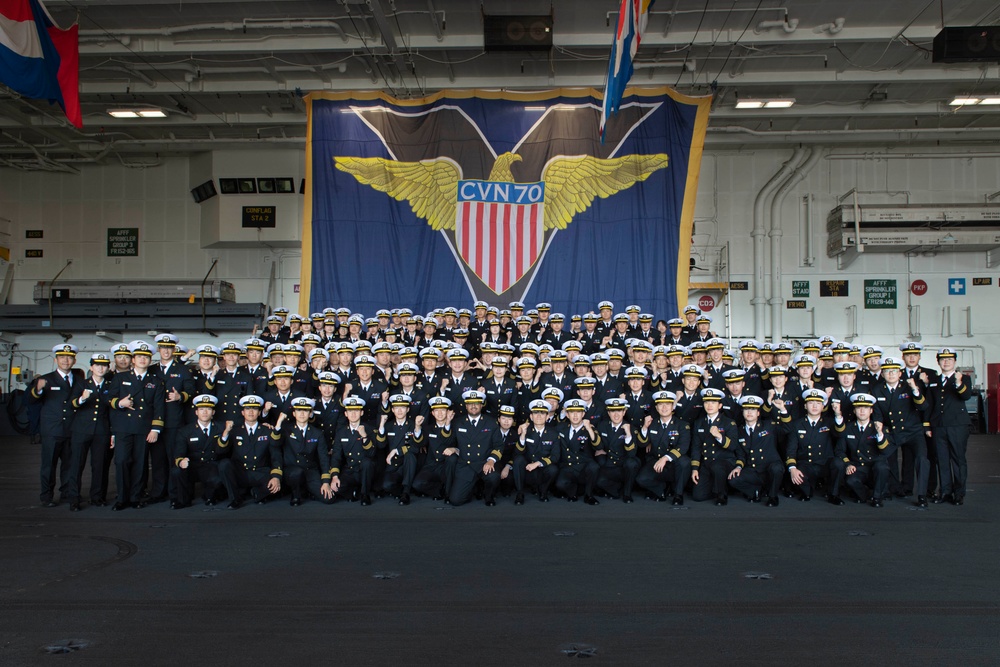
{"x": 74, "y": 506}
{"x": 627, "y": 500}
{"x": 721, "y": 499}
{"x": 543, "y": 497}
{"x": 806, "y": 498}
{"x": 572, "y": 499}
{"x": 591, "y": 500}
{"x": 157, "y": 500}
{"x": 659, "y": 499}
{"x": 519, "y": 499}
{"x": 921, "y": 501}
{"x": 98, "y": 503}
{"x": 404, "y": 499}
{"x": 210, "y": 502}
{"x": 678, "y": 500}
{"x": 490, "y": 502}
{"x": 262, "y": 500}
{"x": 50, "y": 503}
{"x": 366, "y": 500}
{"x": 958, "y": 499}
{"x": 834, "y": 500}
{"x": 139, "y": 504}
{"x": 772, "y": 501}
{"x": 755, "y": 498}
{"x": 438, "y": 498}
{"x": 295, "y": 502}
{"x": 876, "y": 502}
{"x": 235, "y": 504}
{"x": 118, "y": 507}
{"x": 176, "y": 504}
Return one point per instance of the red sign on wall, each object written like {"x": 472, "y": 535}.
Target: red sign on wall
{"x": 706, "y": 303}
{"x": 918, "y": 287}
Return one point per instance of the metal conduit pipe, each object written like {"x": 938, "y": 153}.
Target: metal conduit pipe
{"x": 228, "y": 26}
{"x": 758, "y": 300}
{"x": 776, "y": 301}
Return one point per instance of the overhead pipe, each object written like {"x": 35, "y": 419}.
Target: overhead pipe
{"x": 786, "y": 24}
{"x": 775, "y": 232}
{"x": 832, "y": 28}
{"x": 759, "y": 300}
{"x": 227, "y": 26}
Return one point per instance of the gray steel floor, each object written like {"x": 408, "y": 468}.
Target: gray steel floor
{"x": 429, "y": 584}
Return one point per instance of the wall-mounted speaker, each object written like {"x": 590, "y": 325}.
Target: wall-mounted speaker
{"x": 967, "y": 45}
{"x": 525, "y": 32}
{"x": 204, "y": 191}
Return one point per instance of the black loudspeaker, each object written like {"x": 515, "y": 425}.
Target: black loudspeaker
{"x": 204, "y": 191}
{"x": 517, "y": 32}
{"x": 967, "y": 45}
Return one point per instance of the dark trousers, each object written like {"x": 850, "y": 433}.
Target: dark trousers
{"x": 400, "y": 474}
{"x": 950, "y": 444}
{"x": 870, "y": 480}
{"x": 464, "y": 481}
{"x": 539, "y": 478}
{"x": 612, "y": 478}
{"x": 161, "y": 459}
{"x": 766, "y": 480}
{"x": 434, "y": 479}
{"x": 206, "y": 472}
{"x": 831, "y": 472}
{"x": 712, "y": 479}
{"x": 130, "y": 465}
{"x": 55, "y": 456}
{"x": 674, "y": 476}
{"x": 300, "y": 480}
{"x": 357, "y": 479}
{"x": 238, "y": 480}
{"x": 571, "y": 477}
{"x": 99, "y": 449}
{"x": 916, "y": 465}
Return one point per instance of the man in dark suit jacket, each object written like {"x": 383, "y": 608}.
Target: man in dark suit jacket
{"x": 52, "y": 391}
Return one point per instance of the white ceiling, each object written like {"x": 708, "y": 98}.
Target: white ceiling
{"x": 230, "y": 73}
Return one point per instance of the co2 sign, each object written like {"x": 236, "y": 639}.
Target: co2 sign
{"x": 918, "y": 287}
{"x": 706, "y": 303}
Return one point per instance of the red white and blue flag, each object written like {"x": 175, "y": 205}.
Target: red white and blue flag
{"x": 500, "y": 229}
{"x": 38, "y": 59}
{"x": 632, "y": 17}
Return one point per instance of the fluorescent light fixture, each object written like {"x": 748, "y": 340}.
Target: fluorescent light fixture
{"x": 137, "y": 113}
{"x": 779, "y": 104}
{"x": 535, "y": 108}
{"x": 990, "y": 100}
{"x": 765, "y": 103}
{"x": 964, "y": 101}
{"x": 750, "y": 104}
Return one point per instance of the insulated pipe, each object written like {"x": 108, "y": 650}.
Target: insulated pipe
{"x": 774, "y": 223}
{"x": 758, "y": 301}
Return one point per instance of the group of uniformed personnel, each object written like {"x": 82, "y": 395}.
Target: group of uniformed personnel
{"x": 465, "y": 404}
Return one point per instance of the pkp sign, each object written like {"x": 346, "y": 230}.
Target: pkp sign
{"x": 706, "y": 303}
{"x": 918, "y": 287}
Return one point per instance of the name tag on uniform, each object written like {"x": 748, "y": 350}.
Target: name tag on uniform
{"x": 195, "y": 439}
{"x": 126, "y": 384}
{"x": 345, "y": 439}
{"x": 55, "y": 388}
{"x": 462, "y": 430}
{"x": 801, "y": 432}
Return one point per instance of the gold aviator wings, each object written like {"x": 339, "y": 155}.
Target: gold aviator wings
{"x": 572, "y": 183}
{"x": 429, "y": 186}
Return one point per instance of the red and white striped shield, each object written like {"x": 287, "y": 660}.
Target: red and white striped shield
{"x": 499, "y": 229}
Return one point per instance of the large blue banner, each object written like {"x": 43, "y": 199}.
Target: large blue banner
{"x": 500, "y": 197}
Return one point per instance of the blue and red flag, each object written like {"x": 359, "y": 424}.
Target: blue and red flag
{"x": 38, "y": 59}
{"x": 632, "y": 17}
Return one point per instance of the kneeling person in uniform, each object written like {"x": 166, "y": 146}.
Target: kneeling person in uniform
{"x": 860, "y": 447}
{"x": 480, "y": 449}
{"x": 306, "y": 456}
{"x": 616, "y": 456}
{"x": 668, "y": 440}
{"x": 201, "y": 445}
{"x": 353, "y": 461}
{"x": 401, "y": 439}
{"x": 759, "y": 468}
{"x": 578, "y": 441}
{"x": 537, "y": 458}
{"x": 255, "y": 465}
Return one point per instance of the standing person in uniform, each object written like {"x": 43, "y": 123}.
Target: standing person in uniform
{"x": 53, "y": 392}
{"x": 90, "y": 434}
{"x": 137, "y": 404}
{"x": 950, "y": 424}
{"x": 178, "y": 388}
{"x": 900, "y": 407}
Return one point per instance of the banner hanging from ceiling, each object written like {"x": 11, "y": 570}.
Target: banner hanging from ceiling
{"x": 500, "y": 197}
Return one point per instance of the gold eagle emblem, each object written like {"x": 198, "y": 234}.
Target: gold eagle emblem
{"x": 572, "y": 183}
